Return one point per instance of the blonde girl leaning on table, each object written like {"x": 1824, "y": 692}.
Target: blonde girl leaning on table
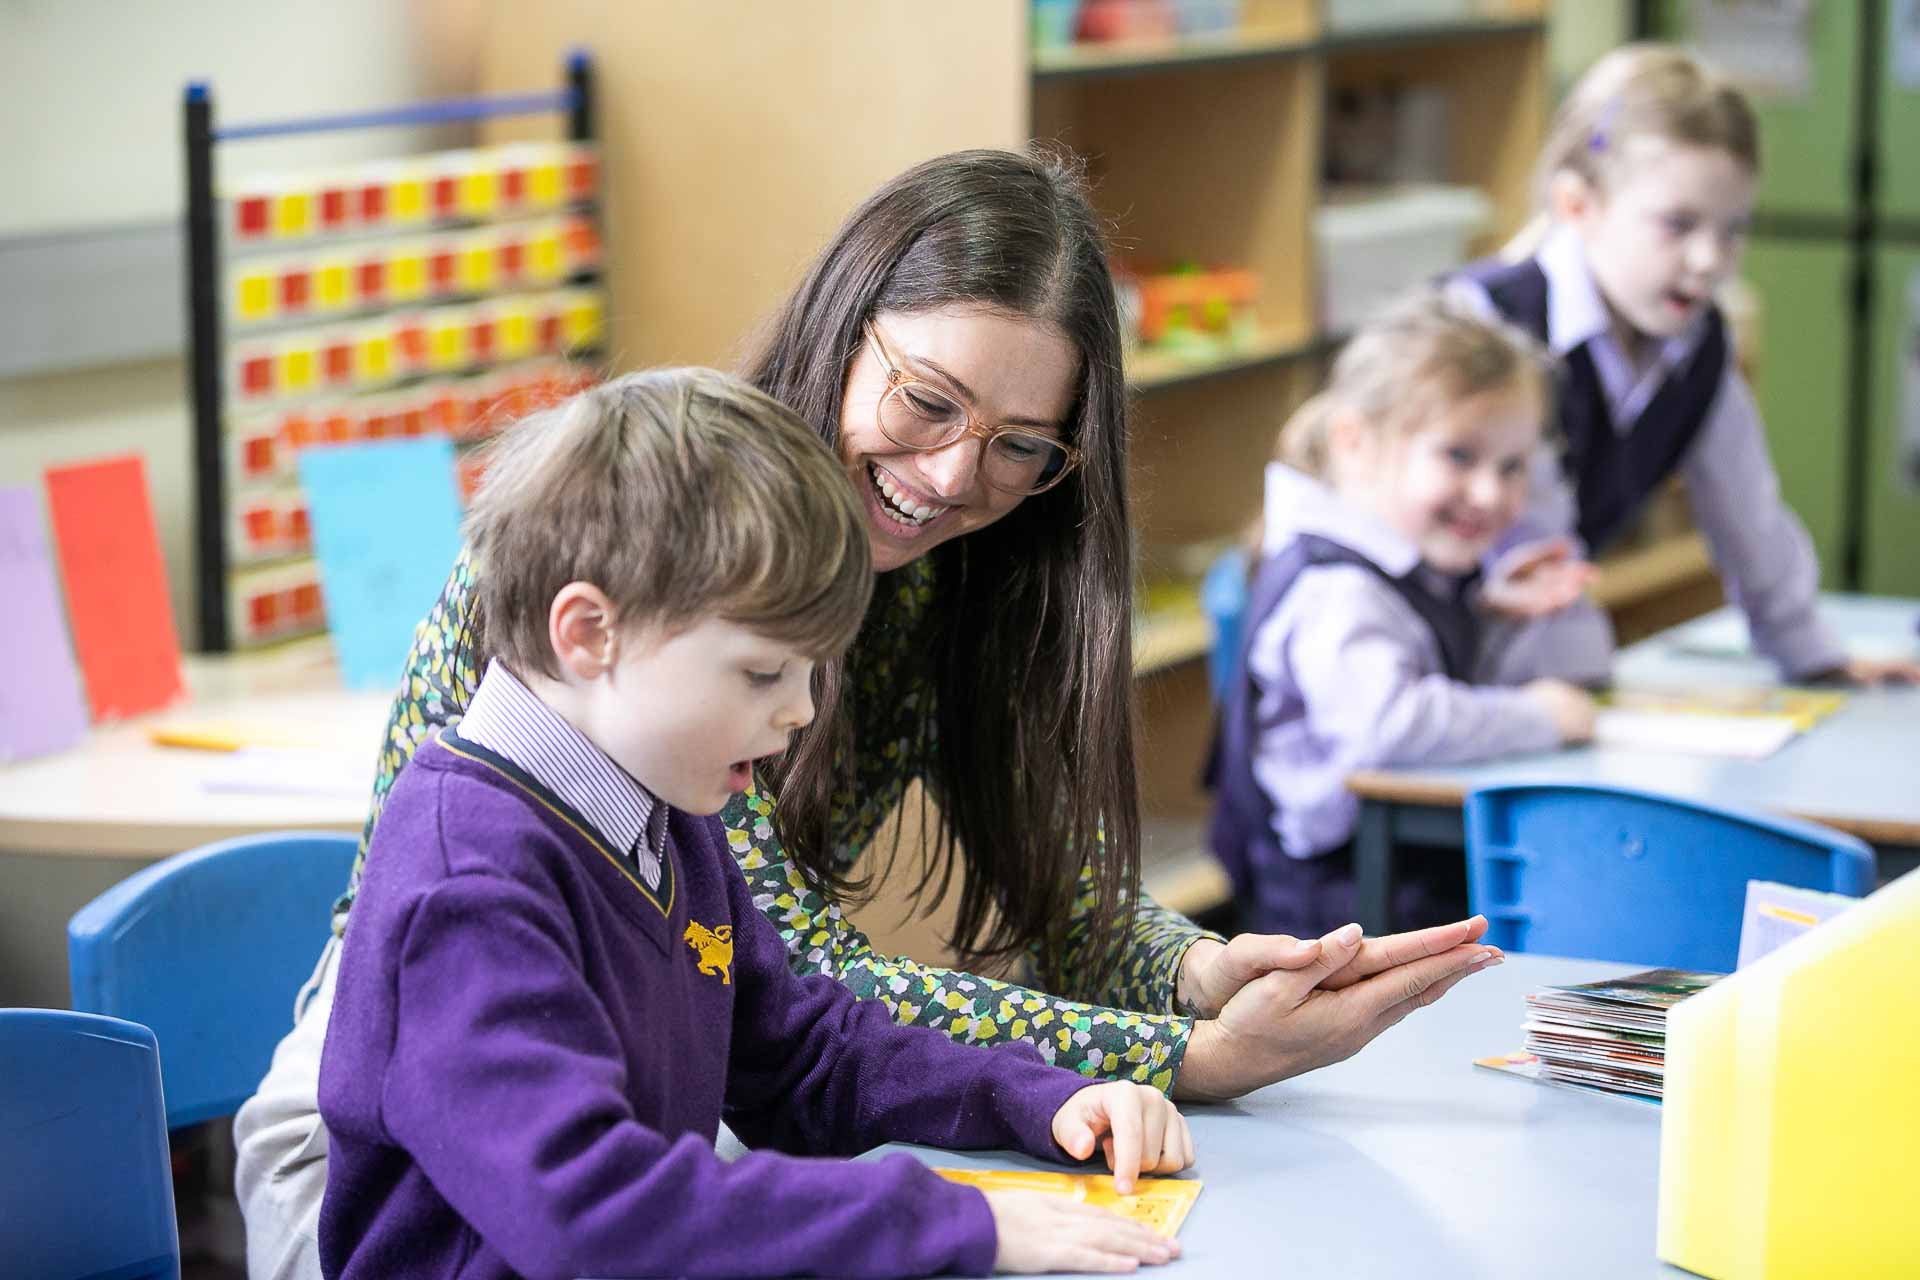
{"x": 959, "y": 327}
{"x": 1648, "y": 183}
{"x": 1367, "y": 624}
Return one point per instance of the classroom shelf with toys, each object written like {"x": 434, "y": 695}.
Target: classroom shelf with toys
{"x": 436, "y": 294}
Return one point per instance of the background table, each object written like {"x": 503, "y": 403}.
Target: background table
{"x": 1858, "y": 770}
{"x": 75, "y": 823}
{"x": 1408, "y": 1160}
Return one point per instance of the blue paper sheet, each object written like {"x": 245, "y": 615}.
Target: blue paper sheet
{"x": 386, "y": 527}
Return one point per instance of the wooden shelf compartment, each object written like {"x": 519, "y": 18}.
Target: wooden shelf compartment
{"x": 1199, "y": 455}
{"x": 1152, "y": 370}
{"x": 1177, "y": 869}
{"x": 1268, "y": 29}
{"x": 1169, "y": 639}
{"x": 1496, "y": 90}
{"x": 1213, "y": 169}
{"x": 1428, "y": 34}
{"x": 1273, "y": 29}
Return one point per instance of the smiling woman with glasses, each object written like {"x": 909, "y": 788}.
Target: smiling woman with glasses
{"x": 918, "y": 415}
{"x": 958, "y": 345}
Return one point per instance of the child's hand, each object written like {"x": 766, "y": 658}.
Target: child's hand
{"x": 1039, "y": 1232}
{"x": 1536, "y": 579}
{"x": 1570, "y": 707}
{"x": 1888, "y": 671}
{"x": 1136, "y": 1126}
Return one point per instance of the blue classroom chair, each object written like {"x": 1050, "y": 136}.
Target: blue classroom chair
{"x": 1223, "y": 598}
{"x": 1611, "y": 873}
{"x": 86, "y": 1183}
{"x": 210, "y": 948}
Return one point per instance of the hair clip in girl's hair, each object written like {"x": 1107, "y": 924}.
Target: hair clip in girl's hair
{"x": 1598, "y": 140}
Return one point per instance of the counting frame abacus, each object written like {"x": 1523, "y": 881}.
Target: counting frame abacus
{"x": 445, "y": 293}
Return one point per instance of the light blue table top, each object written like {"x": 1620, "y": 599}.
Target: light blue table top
{"x": 1408, "y": 1160}
{"x": 1859, "y": 766}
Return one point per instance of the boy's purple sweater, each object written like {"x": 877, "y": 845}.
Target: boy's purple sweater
{"x": 526, "y": 1065}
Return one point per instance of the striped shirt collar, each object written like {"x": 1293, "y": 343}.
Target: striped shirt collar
{"x": 508, "y": 719}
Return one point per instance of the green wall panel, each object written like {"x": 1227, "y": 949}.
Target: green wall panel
{"x": 1891, "y": 550}
{"x": 1807, "y": 145}
{"x": 1801, "y": 382}
{"x": 1898, "y": 193}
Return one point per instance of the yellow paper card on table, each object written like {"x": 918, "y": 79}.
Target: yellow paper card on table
{"x": 1161, "y": 1203}
{"x": 1790, "y": 1137}
{"x": 226, "y": 735}
{"x": 1805, "y": 707}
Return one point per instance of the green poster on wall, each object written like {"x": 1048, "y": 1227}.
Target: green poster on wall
{"x": 1798, "y": 61}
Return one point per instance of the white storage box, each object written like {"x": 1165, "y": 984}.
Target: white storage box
{"x": 1352, "y": 15}
{"x": 1375, "y": 245}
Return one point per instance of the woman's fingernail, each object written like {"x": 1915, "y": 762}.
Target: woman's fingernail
{"x": 1348, "y": 935}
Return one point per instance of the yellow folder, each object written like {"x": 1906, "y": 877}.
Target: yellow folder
{"x": 1161, "y": 1203}
{"x": 1790, "y": 1136}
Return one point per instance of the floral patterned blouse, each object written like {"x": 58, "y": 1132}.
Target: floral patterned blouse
{"x": 1101, "y": 1032}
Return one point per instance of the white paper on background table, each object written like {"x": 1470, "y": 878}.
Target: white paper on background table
{"x": 1745, "y": 737}
{"x": 291, "y": 771}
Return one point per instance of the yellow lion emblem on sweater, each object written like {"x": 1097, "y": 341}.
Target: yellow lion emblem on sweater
{"x": 714, "y": 947}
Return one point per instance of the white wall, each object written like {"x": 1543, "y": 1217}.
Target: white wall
{"x": 90, "y": 91}
{"x": 90, "y": 94}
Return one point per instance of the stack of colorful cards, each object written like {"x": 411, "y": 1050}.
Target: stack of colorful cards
{"x": 1603, "y": 1037}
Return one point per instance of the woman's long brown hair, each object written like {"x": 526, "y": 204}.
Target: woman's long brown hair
{"x": 1029, "y": 636}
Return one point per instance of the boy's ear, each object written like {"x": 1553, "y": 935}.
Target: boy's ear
{"x": 581, "y": 629}
{"x": 1570, "y": 197}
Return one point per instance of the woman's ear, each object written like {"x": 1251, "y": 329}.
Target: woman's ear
{"x": 581, "y": 629}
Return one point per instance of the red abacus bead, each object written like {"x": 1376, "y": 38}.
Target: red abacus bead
{"x": 256, "y": 375}
{"x": 334, "y": 208}
{"x": 250, "y": 217}
{"x": 337, "y": 363}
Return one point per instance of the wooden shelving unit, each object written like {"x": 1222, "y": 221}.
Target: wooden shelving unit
{"x": 739, "y": 146}
{"x": 1210, "y": 150}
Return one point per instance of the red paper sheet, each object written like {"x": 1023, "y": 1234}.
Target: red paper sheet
{"x": 116, "y": 585}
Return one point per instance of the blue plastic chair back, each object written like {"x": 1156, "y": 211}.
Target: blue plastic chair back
{"x": 210, "y": 948}
{"x": 1223, "y": 598}
{"x": 1611, "y": 873}
{"x": 86, "y": 1184}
